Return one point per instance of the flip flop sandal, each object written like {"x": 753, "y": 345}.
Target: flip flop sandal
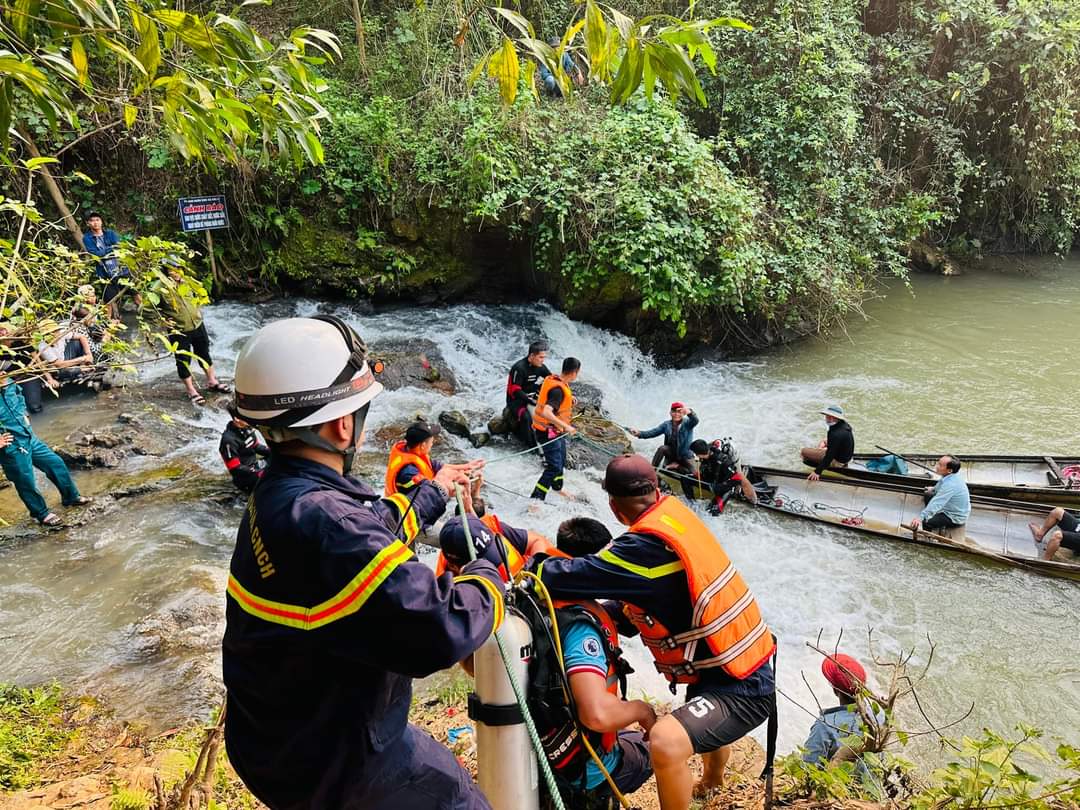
{"x": 52, "y": 521}
{"x": 82, "y": 500}
{"x": 197, "y": 399}
{"x": 219, "y": 388}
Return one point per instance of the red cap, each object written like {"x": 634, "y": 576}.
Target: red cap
{"x": 844, "y": 673}
{"x": 629, "y": 475}
{"x": 675, "y": 405}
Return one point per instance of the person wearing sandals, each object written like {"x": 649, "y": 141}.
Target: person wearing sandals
{"x": 179, "y": 305}
{"x": 21, "y": 451}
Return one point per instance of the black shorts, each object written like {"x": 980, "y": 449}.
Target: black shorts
{"x": 635, "y": 768}
{"x": 1070, "y": 531}
{"x": 715, "y": 719}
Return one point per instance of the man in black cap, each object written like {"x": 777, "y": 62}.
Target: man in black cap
{"x": 695, "y": 615}
{"x": 411, "y": 462}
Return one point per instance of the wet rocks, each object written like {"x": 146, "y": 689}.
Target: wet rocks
{"x": 146, "y": 434}
{"x": 455, "y": 423}
{"x": 601, "y": 439}
{"x": 417, "y": 363}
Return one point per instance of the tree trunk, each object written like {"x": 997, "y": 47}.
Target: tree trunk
{"x": 358, "y": 18}
{"x": 54, "y": 190}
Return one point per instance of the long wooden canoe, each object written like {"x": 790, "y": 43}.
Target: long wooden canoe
{"x": 997, "y": 529}
{"x": 1036, "y": 479}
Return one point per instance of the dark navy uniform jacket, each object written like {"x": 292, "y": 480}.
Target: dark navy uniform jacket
{"x": 644, "y": 572}
{"x": 329, "y": 616}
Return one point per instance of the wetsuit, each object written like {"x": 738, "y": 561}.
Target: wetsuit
{"x": 522, "y": 386}
{"x": 329, "y": 617}
{"x": 719, "y": 474}
{"x": 243, "y": 452}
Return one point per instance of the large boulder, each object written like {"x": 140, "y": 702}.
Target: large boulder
{"x": 416, "y": 363}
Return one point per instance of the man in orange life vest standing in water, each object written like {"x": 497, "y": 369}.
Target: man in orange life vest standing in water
{"x": 695, "y": 615}
{"x": 551, "y": 424}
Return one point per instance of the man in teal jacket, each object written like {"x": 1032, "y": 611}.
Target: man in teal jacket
{"x": 21, "y": 451}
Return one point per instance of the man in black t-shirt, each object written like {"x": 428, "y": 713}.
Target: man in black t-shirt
{"x": 522, "y": 386}
{"x": 838, "y": 447}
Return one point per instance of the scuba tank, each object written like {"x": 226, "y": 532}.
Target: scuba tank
{"x": 506, "y": 762}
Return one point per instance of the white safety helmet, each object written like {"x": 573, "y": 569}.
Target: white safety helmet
{"x": 298, "y": 373}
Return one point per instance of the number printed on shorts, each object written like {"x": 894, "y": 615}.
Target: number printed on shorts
{"x": 700, "y": 706}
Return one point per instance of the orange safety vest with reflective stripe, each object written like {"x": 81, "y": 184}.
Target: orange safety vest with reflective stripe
{"x": 400, "y": 456}
{"x": 725, "y": 614}
{"x": 564, "y": 411}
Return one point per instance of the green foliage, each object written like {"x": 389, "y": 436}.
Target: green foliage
{"x": 995, "y": 771}
{"x": 124, "y": 798}
{"x": 214, "y": 85}
{"x": 32, "y": 728}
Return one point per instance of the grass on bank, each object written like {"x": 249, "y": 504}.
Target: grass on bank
{"x": 34, "y": 728}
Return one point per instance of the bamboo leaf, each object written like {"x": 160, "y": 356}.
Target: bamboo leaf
{"x": 595, "y": 36}
{"x": 79, "y": 60}
{"x": 34, "y": 163}
{"x": 131, "y": 112}
{"x": 505, "y": 68}
{"x": 523, "y": 26}
{"x": 149, "y": 50}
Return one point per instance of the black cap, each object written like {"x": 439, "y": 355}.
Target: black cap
{"x": 419, "y": 431}
{"x": 629, "y": 475}
{"x": 453, "y": 545}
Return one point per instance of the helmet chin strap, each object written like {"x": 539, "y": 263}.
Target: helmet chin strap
{"x": 311, "y": 437}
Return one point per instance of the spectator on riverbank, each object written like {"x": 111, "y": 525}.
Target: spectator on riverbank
{"x": 179, "y": 304}
{"x": 833, "y": 733}
{"x": 67, "y": 353}
{"x": 837, "y": 448}
{"x": 101, "y": 242}
{"x": 21, "y": 451}
{"x": 948, "y": 502}
{"x": 547, "y": 78}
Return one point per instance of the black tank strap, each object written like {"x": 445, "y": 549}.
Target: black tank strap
{"x": 770, "y": 737}
{"x": 491, "y": 715}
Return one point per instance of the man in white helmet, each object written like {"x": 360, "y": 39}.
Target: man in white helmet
{"x": 329, "y": 614}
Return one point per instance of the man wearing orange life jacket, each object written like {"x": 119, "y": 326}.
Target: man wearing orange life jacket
{"x": 551, "y": 424}
{"x": 410, "y": 460}
{"x": 488, "y": 532}
{"x": 694, "y": 613}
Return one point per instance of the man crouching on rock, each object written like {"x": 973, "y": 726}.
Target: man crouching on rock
{"x": 329, "y": 614}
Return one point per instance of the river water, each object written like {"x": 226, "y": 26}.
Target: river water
{"x": 131, "y": 609}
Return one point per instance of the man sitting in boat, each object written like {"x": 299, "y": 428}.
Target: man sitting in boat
{"x": 827, "y": 737}
{"x": 1066, "y": 534}
{"x": 595, "y": 672}
{"x": 837, "y": 448}
{"x": 948, "y": 502}
{"x": 719, "y": 472}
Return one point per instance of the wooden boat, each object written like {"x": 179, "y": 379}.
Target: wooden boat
{"x": 1036, "y": 479}
{"x": 997, "y": 529}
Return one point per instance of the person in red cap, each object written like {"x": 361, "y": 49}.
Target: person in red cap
{"x": 678, "y": 432}
{"x": 847, "y": 678}
{"x": 694, "y": 613}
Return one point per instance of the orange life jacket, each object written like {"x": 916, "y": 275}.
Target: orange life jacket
{"x": 725, "y": 614}
{"x": 515, "y": 559}
{"x": 564, "y": 410}
{"x": 400, "y": 457}
{"x": 562, "y": 740}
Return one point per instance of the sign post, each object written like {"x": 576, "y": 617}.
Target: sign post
{"x": 204, "y": 214}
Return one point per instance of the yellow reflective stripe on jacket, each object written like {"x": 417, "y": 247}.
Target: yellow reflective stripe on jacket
{"x": 641, "y": 570}
{"x": 411, "y": 523}
{"x": 344, "y": 603}
{"x": 493, "y": 589}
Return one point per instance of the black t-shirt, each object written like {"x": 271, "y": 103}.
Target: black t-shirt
{"x": 840, "y": 445}
{"x": 525, "y": 379}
